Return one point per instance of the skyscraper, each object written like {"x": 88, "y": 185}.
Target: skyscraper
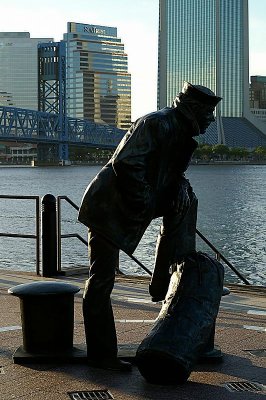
{"x": 98, "y": 82}
{"x": 19, "y": 69}
{"x": 206, "y": 42}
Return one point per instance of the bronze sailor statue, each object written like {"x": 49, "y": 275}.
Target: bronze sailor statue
{"x": 144, "y": 179}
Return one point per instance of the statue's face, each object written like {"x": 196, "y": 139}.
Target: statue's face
{"x": 204, "y": 117}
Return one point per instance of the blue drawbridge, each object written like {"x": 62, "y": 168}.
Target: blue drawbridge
{"x": 50, "y": 127}
{"x": 22, "y": 125}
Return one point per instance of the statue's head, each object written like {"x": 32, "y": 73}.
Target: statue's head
{"x": 202, "y": 102}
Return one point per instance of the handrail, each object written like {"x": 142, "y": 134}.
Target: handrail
{"x": 76, "y": 235}
{"x": 69, "y": 201}
{"x": 218, "y": 254}
{"x": 37, "y": 225}
{"x": 59, "y": 235}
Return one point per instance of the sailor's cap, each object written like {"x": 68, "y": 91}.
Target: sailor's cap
{"x": 200, "y": 93}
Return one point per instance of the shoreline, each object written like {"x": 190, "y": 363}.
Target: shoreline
{"x": 93, "y": 164}
{"x": 228, "y": 163}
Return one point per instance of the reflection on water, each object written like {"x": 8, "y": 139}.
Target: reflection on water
{"x": 232, "y": 215}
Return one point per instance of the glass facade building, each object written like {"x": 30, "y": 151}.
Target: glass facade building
{"x": 19, "y": 69}
{"x": 205, "y": 42}
{"x": 98, "y": 82}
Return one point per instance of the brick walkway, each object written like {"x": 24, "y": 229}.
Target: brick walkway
{"x": 240, "y": 332}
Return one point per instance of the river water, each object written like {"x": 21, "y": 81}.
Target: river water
{"x": 232, "y": 215}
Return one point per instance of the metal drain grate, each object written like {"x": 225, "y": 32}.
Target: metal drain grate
{"x": 244, "y": 387}
{"x": 91, "y": 395}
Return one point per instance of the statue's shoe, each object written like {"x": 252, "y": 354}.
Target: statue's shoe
{"x": 213, "y": 356}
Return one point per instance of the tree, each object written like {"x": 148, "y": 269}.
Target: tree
{"x": 260, "y": 153}
{"x": 220, "y": 150}
{"x": 198, "y": 153}
{"x": 206, "y": 151}
{"x": 239, "y": 153}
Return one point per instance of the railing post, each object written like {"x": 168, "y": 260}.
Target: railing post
{"x": 49, "y": 236}
{"x": 37, "y": 230}
{"x": 59, "y": 244}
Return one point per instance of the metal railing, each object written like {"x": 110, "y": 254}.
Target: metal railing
{"x": 59, "y": 234}
{"x": 37, "y": 226}
{"x": 37, "y": 237}
{"x": 219, "y": 257}
{"x": 218, "y": 254}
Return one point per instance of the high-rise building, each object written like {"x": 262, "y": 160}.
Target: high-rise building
{"x": 19, "y": 69}
{"x": 257, "y": 96}
{"x": 98, "y": 81}
{"x": 258, "y": 92}
{"x": 205, "y": 42}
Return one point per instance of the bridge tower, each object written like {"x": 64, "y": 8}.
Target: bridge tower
{"x": 52, "y": 90}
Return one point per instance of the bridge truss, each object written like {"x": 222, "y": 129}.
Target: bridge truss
{"x": 50, "y": 125}
{"x": 22, "y": 125}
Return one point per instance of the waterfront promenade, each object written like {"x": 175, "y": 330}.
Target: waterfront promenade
{"x": 240, "y": 333}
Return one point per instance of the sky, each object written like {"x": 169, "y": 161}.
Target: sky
{"x": 137, "y": 26}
